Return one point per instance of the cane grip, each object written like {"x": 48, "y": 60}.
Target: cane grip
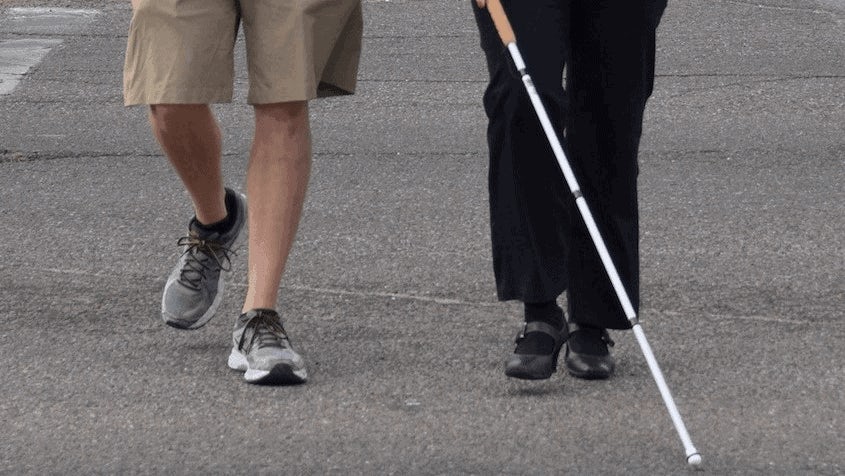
{"x": 503, "y": 26}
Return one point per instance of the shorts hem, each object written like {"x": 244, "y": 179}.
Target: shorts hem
{"x": 178, "y": 96}
{"x": 324, "y": 90}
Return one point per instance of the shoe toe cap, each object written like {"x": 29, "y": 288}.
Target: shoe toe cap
{"x": 529, "y": 366}
{"x": 590, "y": 366}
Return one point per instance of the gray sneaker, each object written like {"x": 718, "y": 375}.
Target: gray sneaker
{"x": 262, "y": 350}
{"x": 195, "y": 287}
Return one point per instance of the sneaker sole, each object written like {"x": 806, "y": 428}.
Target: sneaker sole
{"x": 282, "y": 373}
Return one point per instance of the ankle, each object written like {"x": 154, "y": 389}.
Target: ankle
{"x": 548, "y": 312}
{"x": 589, "y": 340}
{"x": 225, "y": 223}
{"x": 254, "y": 302}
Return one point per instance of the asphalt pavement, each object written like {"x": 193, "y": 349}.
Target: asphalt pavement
{"x": 389, "y": 293}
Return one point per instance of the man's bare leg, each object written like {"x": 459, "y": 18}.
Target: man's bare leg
{"x": 277, "y": 179}
{"x": 190, "y": 138}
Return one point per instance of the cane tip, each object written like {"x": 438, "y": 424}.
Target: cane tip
{"x": 694, "y": 460}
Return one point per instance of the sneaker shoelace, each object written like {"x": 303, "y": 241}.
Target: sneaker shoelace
{"x": 202, "y": 253}
{"x": 266, "y": 330}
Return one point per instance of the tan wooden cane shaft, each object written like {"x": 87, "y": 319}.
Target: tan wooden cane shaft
{"x": 503, "y": 26}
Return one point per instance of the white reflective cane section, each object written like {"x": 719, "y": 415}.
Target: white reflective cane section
{"x": 517, "y": 58}
{"x": 693, "y": 457}
{"x": 606, "y": 260}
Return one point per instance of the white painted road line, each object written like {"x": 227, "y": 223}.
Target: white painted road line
{"x": 50, "y": 11}
{"x": 17, "y": 56}
{"x": 46, "y": 21}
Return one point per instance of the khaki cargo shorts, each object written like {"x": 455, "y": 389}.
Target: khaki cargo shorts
{"x": 182, "y": 51}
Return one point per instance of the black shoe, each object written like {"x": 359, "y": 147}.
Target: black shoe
{"x": 535, "y": 364}
{"x": 587, "y": 353}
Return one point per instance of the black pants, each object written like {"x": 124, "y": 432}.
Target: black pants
{"x": 541, "y": 247}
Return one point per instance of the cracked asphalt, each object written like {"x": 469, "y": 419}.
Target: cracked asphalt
{"x": 389, "y": 292}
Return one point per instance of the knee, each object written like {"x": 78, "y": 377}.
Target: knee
{"x": 167, "y": 117}
{"x": 287, "y": 118}
{"x": 168, "y": 113}
{"x": 508, "y": 102}
{"x": 162, "y": 115}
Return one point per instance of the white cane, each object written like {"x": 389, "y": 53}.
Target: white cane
{"x": 508, "y": 37}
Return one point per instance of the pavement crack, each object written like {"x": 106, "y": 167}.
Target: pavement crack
{"x": 422, "y": 81}
{"x": 816, "y": 11}
{"x": 382, "y": 294}
{"x": 62, "y": 101}
{"x": 11, "y": 156}
{"x": 39, "y": 35}
{"x": 761, "y": 80}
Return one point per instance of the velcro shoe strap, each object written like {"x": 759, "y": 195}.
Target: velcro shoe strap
{"x": 545, "y": 328}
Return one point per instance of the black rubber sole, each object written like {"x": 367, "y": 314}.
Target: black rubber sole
{"x": 281, "y": 374}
